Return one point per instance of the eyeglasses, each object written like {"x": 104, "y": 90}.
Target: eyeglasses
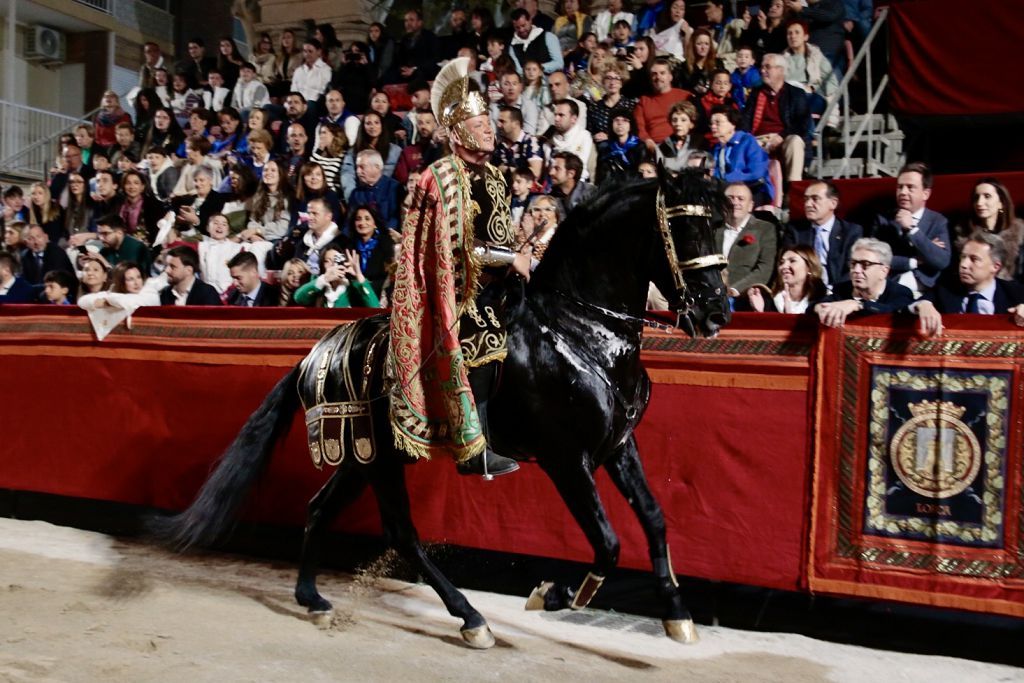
{"x": 543, "y": 208}
{"x": 864, "y": 264}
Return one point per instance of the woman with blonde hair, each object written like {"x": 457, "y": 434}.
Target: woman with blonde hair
{"x": 701, "y": 63}
{"x": 45, "y": 212}
{"x": 294, "y": 274}
{"x": 331, "y": 146}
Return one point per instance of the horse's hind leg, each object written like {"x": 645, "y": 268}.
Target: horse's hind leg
{"x": 576, "y": 485}
{"x": 628, "y": 475}
{"x": 388, "y": 481}
{"x": 342, "y": 488}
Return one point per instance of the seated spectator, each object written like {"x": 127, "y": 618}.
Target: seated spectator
{"x": 720, "y": 95}
{"x": 992, "y": 212}
{"x": 425, "y": 151}
{"x": 766, "y": 32}
{"x": 322, "y": 231}
{"x": 247, "y": 287}
{"x": 216, "y": 95}
{"x": 77, "y": 208}
{"x": 674, "y": 151}
{"x": 373, "y": 245}
{"x": 639, "y": 62}
{"x": 831, "y": 238}
{"x": 14, "y": 208}
{"x": 701, "y": 62}
{"x": 85, "y": 137}
{"x": 392, "y": 122}
{"x": 745, "y": 77}
{"x": 825, "y": 19}
{"x": 570, "y": 25}
{"x": 259, "y": 143}
{"x": 264, "y": 58}
{"x": 647, "y": 16}
{"x": 605, "y": 20}
{"x": 979, "y": 289}
{"x": 294, "y": 274}
{"x": 652, "y": 111}
{"x": 726, "y": 31}
{"x": 14, "y": 236}
{"x": 41, "y": 256}
{"x": 163, "y": 174}
{"x": 59, "y": 287}
{"x": 297, "y": 110}
{"x": 539, "y": 224}
{"x": 621, "y": 154}
{"x": 249, "y": 93}
{"x": 868, "y": 290}
{"x": 672, "y": 33}
{"x": 271, "y": 206}
{"x": 738, "y": 157}
{"x": 778, "y": 116}
{"x": 536, "y": 91}
{"x": 194, "y": 210}
{"x": 71, "y": 159}
{"x": 516, "y": 149}
{"x": 809, "y": 68}
{"x": 94, "y": 274}
{"x": 238, "y": 190}
{"x": 184, "y": 99}
{"x": 197, "y": 150}
{"x": 129, "y": 161}
{"x": 648, "y": 169}
{"x": 522, "y": 190}
{"x": 338, "y": 114}
{"x": 108, "y": 117}
{"x": 184, "y": 288}
{"x": 198, "y": 65}
{"x": 419, "y": 97}
{"x": 372, "y": 135}
{"x": 799, "y": 285}
{"x": 332, "y": 144}
{"x": 566, "y": 172}
{"x": 341, "y": 283}
{"x": 533, "y": 42}
{"x": 511, "y": 85}
{"x": 105, "y": 199}
{"x": 570, "y": 133}
{"x": 124, "y": 141}
{"x": 165, "y": 131}
{"x": 560, "y": 88}
{"x": 620, "y": 40}
{"x": 312, "y": 185}
{"x": 295, "y": 153}
{"x": 330, "y": 50}
{"x": 162, "y": 87}
{"x": 748, "y": 243}
{"x": 599, "y": 112}
{"x": 375, "y": 189}
{"x": 918, "y": 236}
{"x": 126, "y": 278}
{"x": 416, "y": 54}
{"x": 231, "y": 140}
{"x": 291, "y": 58}
{"x": 215, "y": 250}
{"x": 119, "y": 247}
{"x": 146, "y": 103}
{"x": 13, "y": 288}
{"x": 582, "y": 57}
{"x": 312, "y": 77}
{"x": 357, "y": 78}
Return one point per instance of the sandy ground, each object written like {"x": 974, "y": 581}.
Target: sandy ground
{"x": 81, "y": 606}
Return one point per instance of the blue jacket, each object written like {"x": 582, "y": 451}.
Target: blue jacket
{"x": 21, "y": 292}
{"x": 745, "y": 161}
{"x": 744, "y": 83}
{"x": 384, "y": 197}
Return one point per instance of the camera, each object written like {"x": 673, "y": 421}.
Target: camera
{"x": 340, "y": 259}
{"x": 754, "y": 10}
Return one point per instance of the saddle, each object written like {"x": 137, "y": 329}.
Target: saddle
{"x": 338, "y": 383}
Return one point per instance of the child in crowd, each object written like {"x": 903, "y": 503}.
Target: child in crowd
{"x": 59, "y": 287}
{"x": 215, "y": 251}
{"x": 14, "y": 205}
{"x": 746, "y": 76}
{"x": 216, "y": 96}
{"x": 522, "y": 189}
{"x": 720, "y": 95}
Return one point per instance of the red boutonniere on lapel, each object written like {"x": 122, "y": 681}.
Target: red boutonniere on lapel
{"x": 747, "y": 239}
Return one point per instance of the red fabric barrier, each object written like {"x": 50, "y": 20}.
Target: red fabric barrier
{"x": 141, "y": 417}
{"x": 932, "y": 74}
{"x": 861, "y": 199}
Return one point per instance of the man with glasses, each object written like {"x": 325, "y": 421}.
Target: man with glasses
{"x": 831, "y": 237}
{"x": 777, "y": 114}
{"x": 868, "y": 290}
{"x": 118, "y": 246}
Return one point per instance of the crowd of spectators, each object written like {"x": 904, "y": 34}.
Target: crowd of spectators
{"x": 279, "y": 177}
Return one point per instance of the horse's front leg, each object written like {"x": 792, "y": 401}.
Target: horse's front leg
{"x": 342, "y": 488}
{"x": 388, "y": 481}
{"x": 628, "y": 475}
{"x": 575, "y": 483}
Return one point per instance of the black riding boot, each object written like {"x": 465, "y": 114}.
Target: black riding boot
{"x": 482, "y": 380}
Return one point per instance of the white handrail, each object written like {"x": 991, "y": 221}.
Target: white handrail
{"x": 29, "y": 137}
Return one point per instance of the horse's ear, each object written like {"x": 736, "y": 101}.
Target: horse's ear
{"x": 664, "y": 175}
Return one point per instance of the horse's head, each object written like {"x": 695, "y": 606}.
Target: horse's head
{"x": 687, "y": 205}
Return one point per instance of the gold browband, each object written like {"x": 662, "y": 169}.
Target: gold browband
{"x": 688, "y": 210}
{"x": 704, "y": 262}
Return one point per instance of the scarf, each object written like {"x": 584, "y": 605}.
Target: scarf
{"x": 619, "y": 150}
{"x": 111, "y": 118}
{"x": 366, "y": 248}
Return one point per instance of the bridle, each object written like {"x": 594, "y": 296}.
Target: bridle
{"x": 687, "y": 300}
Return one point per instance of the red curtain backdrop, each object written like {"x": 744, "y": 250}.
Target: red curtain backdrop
{"x": 949, "y": 57}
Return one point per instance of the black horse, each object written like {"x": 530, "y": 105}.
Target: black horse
{"x": 572, "y": 373}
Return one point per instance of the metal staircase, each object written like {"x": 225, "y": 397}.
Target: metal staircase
{"x": 868, "y": 144}
{"x": 28, "y": 140}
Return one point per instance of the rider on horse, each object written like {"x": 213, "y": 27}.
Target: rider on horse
{"x": 447, "y": 323}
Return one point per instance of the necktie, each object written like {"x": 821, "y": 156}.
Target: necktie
{"x": 972, "y": 302}
{"x": 249, "y": 301}
{"x": 821, "y": 245}
{"x": 39, "y": 260}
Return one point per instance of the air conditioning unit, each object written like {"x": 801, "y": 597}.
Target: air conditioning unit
{"x": 44, "y": 44}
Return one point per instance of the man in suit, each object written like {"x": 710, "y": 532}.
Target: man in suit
{"x": 72, "y": 156}
{"x": 919, "y": 237}
{"x": 184, "y": 287}
{"x": 831, "y": 237}
{"x": 747, "y": 242}
{"x": 868, "y": 290}
{"x": 42, "y": 256}
{"x": 13, "y": 289}
{"x": 979, "y": 291}
{"x": 249, "y": 289}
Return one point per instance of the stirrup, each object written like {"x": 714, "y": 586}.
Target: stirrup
{"x": 488, "y": 464}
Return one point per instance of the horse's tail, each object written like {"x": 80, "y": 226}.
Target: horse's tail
{"x": 213, "y": 511}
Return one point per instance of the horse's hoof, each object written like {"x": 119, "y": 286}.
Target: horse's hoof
{"x": 479, "y": 638}
{"x": 681, "y": 630}
{"x": 536, "y": 599}
{"x": 322, "y": 620}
